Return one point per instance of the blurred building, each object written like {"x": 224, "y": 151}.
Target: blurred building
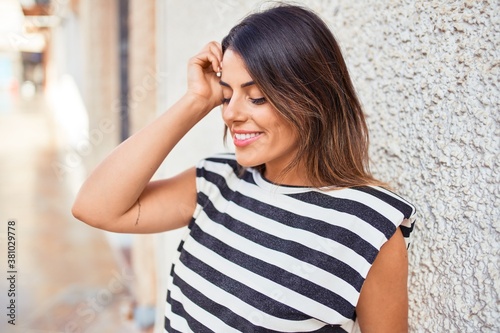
{"x": 95, "y": 63}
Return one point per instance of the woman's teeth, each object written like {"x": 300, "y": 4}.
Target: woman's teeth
{"x": 245, "y": 136}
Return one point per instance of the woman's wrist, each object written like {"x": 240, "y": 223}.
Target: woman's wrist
{"x": 197, "y": 104}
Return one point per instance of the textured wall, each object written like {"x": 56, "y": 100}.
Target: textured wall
{"x": 427, "y": 73}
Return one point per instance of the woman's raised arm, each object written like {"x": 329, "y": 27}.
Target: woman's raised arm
{"x": 119, "y": 196}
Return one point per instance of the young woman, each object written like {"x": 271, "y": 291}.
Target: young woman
{"x": 289, "y": 234}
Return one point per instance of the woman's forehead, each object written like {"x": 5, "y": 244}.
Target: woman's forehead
{"x": 234, "y": 71}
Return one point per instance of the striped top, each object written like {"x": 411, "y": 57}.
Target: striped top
{"x": 258, "y": 257}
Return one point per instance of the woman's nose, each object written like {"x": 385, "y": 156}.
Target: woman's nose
{"x": 233, "y": 111}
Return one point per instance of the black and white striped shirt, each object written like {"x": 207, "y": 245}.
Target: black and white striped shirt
{"x": 259, "y": 257}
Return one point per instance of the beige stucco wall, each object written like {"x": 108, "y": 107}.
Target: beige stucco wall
{"x": 427, "y": 73}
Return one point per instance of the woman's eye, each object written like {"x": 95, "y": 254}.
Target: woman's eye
{"x": 258, "y": 101}
{"x": 225, "y": 100}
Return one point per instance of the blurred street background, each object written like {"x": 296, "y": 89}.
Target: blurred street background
{"x": 69, "y": 277}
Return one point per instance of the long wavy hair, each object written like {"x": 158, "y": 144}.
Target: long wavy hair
{"x": 294, "y": 59}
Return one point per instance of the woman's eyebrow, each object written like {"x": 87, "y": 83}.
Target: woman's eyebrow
{"x": 246, "y": 84}
{"x": 243, "y": 85}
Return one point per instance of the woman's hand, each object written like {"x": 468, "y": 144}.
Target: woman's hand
{"x": 203, "y": 82}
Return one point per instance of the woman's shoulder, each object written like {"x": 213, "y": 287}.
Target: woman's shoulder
{"x": 380, "y": 205}
{"x": 375, "y": 195}
{"x": 373, "y": 198}
{"x": 377, "y": 206}
{"x": 220, "y": 159}
{"x": 221, "y": 165}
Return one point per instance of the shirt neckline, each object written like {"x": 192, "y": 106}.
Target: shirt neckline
{"x": 267, "y": 185}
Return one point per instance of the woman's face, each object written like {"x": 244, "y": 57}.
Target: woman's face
{"x": 260, "y": 135}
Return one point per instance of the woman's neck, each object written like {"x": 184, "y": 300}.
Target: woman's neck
{"x": 297, "y": 176}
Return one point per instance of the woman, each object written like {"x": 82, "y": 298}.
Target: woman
{"x": 291, "y": 233}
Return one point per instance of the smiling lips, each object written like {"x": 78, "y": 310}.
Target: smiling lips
{"x": 244, "y": 139}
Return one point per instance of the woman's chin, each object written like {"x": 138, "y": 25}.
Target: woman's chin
{"x": 246, "y": 162}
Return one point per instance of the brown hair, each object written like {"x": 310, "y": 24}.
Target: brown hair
{"x": 294, "y": 59}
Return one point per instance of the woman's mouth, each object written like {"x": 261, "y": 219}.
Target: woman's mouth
{"x": 244, "y": 139}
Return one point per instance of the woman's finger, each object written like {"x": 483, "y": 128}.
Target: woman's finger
{"x": 216, "y": 49}
{"x": 212, "y": 53}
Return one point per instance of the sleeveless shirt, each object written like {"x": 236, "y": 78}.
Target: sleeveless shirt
{"x": 258, "y": 257}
